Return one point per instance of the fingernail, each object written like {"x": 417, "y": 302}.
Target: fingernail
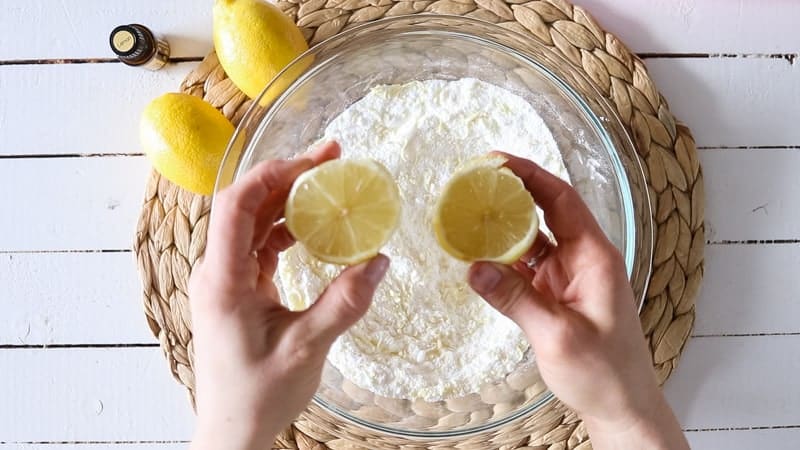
{"x": 377, "y": 268}
{"x": 485, "y": 278}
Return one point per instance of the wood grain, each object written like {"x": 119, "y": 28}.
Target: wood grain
{"x": 71, "y": 299}
{"x": 70, "y": 203}
{"x": 94, "y": 446}
{"x": 744, "y": 293}
{"x": 723, "y": 99}
{"x": 94, "y": 202}
{"x": 90, "y": 395}
{"x": 79, "y": 108}
{"x": 752, "y": 194}
{"x": 42, "y": 29}
{"x": 731, "y": 382}
{"x": 733, "y": 101}
{"x": 699, "y": 26}
{"x": 745, "y": 439}
{"x": 91, "y": 203}
{"x": 45, "y": 29}
{"x": 747, "y": 289}
{"x": 717, "y": 389}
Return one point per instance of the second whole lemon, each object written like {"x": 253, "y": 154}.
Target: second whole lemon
{"x": 185, "y": 138}
{"x": 254, "y": 41}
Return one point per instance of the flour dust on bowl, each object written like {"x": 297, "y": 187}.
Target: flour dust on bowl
{"x": 421, "y": 95}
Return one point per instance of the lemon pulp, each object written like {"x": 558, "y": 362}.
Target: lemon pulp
{"x": 343, "y": 211}
{"x": 485, "y": 214}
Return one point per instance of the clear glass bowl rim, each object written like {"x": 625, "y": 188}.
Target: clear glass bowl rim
{"x": 234, "y": 154}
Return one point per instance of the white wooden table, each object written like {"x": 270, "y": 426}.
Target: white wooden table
{"x": 78, "y": 366}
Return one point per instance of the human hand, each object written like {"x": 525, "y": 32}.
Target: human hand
{"x": 257, "y": 364}
{"x": 577, "y": 310}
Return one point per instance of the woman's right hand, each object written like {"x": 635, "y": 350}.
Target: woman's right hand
{"x": 577, "y": 310}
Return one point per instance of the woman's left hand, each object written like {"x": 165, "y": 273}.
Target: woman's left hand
{"x": 257, "y": 364}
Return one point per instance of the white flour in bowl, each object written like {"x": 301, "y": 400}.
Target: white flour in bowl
{"x": 427, "y": 335}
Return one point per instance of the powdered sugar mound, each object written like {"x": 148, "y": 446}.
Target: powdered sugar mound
{"x": 427, "y": 334}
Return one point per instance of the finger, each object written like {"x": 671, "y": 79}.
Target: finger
{"x": 325, "y": 152}
{"x": 540, "y": 246}
{"x": 511, "y": 294}
{"x": 231, "y": 231}
{"x": 550, "y": 278}
{"x": 269, "y": 213}
{"x": 345, "y": 301}
{"x": 564, "y": 211}
{"x": 273, "y": 209}
{"x": 279, "y": 240}
{"x": 527, "y": 272}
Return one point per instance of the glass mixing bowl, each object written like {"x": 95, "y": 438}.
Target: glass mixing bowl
{"x": 292, "y": 113}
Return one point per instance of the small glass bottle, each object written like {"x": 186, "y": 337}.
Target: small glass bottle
{"x": 136, "y": 45}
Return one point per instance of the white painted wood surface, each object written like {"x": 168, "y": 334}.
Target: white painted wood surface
{"x": 99, "y": 446}
{"x": 43, "y": 29}
{"x": 46, "y": 29}
{"x": 749, "y": 289}
{"x": 741, "y": 209}
{"x": 50, "y": 106}
{"x": 90, "y": 394}
{"x": 72, "y": 311}
{"x": 59, "y": 204}
{"x": 71, "y": 298}
{"x": 712, "y": 94}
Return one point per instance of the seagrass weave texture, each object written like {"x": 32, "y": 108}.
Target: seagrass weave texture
{"x": 171, "y": 232}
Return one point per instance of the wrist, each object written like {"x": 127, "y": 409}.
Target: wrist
{"x": 654, "y": 427}
{"x": 227, "y": 435}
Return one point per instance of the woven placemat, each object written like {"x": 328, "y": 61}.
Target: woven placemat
{"x": 171, "y": 232}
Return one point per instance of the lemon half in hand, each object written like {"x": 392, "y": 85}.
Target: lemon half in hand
{"x": 485, "y": 214}
{"x": 343, "y": 211}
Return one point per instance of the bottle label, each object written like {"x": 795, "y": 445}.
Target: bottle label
{"x": 123, "y": 40}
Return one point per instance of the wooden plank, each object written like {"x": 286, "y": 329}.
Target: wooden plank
{"x": 70, "y": 203}
{"x": 745, "y": 439}
{"x": 714, "y": 387}
{"x": 88, "y": 298}
{"x": 95, "y": 108}
{"x": 729, "y": 440}
{"x": 91, "y": 395}
{"x": 93, "y": 203}
{"x": 751, "y": 195}
{"x": 707, "y": 26}
{"x": 733, "y": 101}
{"x": 38, "y": 29}
{"x": 745, "y": 290}
{"x": 95, "y": 446}
{"x": 737, "y": 382}
{"x": 43, "y": 29}
{"x": 78, "y": 108}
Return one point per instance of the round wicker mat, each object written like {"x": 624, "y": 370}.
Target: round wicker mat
{"x": 171, "y": 232}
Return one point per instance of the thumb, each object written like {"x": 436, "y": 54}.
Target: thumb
{"x": 511, "y": 294}
{"x": 345, "y": 300}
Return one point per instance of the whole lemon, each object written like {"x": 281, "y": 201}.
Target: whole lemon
{"x": 254, "y": 41}
{"x": 185, "y": 139}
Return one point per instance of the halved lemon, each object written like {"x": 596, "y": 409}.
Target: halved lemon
{"x": 485, "y": 213}
{"x": 343, "y": 211}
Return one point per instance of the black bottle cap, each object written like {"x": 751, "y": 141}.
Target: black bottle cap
{"x": 132, "y": 43}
